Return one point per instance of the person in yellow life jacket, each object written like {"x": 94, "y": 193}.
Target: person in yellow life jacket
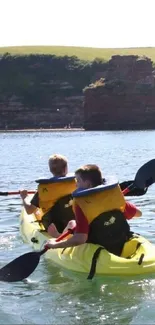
{"x": 53, "y": 197}
{"x": 99, "y": 212}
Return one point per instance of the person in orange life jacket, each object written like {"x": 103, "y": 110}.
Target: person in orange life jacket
{"x": 87, "y": 177}
{"x": 58, "y": 166}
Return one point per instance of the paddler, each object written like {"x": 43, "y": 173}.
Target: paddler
{"x": 100, "y": 212}
{"x": 53, "y": 197}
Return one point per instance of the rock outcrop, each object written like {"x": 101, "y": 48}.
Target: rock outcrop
{"x": 124, "y": 98}
{"x": 63, "y": 112}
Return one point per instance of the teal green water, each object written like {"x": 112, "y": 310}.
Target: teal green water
{"x": 53, "y": 295}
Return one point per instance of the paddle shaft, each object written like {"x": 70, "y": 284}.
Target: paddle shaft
{"x": 145, "y": 177}
{"x": 62, "y": 236}
{"x": 128, "y": 189}
{"x": 15, "y": 193}
{"x": 65, "y": 234}
{"x": 125, "y": 191}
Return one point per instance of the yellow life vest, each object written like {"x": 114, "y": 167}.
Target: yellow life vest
{"x": 51, "y": 190}
{"x": 100, "y": 199}
{"x": 103, "y": 206}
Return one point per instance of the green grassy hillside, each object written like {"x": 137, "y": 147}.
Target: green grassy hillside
{"x": 84, "y": 53}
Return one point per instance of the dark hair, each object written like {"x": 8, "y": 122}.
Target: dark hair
{"x": 92, "y": 173}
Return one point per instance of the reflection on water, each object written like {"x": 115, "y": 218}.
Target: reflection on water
{"x": 52, "y": 295}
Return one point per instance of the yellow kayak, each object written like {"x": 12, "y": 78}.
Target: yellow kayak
{"x": 138, "y": 256}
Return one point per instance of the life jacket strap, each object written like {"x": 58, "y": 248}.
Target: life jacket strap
{"x": 94, "y": 262}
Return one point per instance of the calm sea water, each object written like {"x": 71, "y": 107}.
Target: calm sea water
{"x": 52, "y": 295}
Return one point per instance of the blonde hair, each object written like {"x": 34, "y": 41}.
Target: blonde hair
{"x": 90, "y": 173}
{"x": 58, "y": 165}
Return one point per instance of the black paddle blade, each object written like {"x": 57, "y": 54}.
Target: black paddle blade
{"x": 134, "y": 191}
{"x": 145, "y": 175}
{"x": 3, "y": 193}
{"x": 21, "y": 267}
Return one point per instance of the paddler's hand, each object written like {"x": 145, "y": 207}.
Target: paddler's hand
{"x": 23, "y": 194}
{"x": 51, "y": 243}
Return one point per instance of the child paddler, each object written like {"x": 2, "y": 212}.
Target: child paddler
{"x": 100, "y": 212}
{"x": 53, "y": 196}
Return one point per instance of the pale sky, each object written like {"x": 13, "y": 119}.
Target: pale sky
{"x": 90, "y": 23}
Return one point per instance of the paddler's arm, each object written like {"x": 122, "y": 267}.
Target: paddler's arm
{"x": 138, "y": 213}
{"x": 80, "y": 236}
{"x": 29, "y": 207}
{"x": 76, "y": 240}
{"x": 131, "y": 211}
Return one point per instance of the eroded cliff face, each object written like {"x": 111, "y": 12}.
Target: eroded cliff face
{"x": 62, "y": 112}
{"x": 124, "y": 98}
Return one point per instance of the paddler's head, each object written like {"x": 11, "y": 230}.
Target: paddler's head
{"x": 88, "y": 176}
{"x": 58, "y": 165}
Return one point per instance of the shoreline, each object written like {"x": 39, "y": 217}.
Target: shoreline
{"x": 44, "y": 130}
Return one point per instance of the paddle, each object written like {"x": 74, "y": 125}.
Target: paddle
{"x": 123, "y": 185}
{"x": 24, "y": 265}
{"x": 134, "y": 191}
{"x": 145, "y": 177}
{"x": 15, "y": 193}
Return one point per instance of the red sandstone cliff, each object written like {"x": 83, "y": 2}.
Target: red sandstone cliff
{"x": 124, "y": 98}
